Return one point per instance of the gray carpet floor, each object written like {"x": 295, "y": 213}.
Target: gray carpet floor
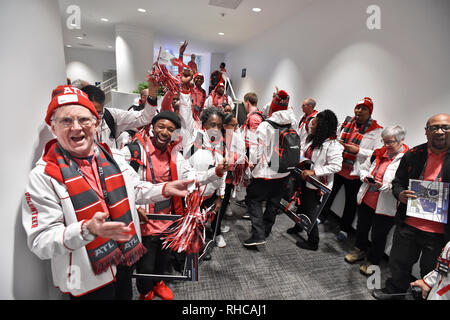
{"x": 277, "y": 270}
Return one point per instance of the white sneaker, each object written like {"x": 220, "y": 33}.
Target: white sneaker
{"x": 224, "y": 229}
{"x": 220, "y": 241}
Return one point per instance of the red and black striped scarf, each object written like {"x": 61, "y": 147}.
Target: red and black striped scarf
{"x": 306, "y": 119}
{"x": 348, "y": 127}
{"x": 102, "y": 252}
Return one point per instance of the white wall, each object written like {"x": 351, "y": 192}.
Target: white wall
{"x": 88, "y": 64}
{"x": 328, "y": 53}
{"x": 32, "y": 64}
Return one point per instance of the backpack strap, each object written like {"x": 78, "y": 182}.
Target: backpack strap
{"x": 110, "y": 122}
{"x": 135, "y": 151}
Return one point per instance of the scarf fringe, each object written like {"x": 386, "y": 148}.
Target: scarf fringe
{"x": 101, "y": 265}
{"x": 133, "y": 256}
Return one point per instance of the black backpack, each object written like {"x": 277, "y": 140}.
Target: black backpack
{"x": 287, "y": 152}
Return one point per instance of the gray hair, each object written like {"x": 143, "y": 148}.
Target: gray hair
{"x": 396, "y": 131}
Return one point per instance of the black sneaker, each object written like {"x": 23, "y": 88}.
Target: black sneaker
{"x": 384, "y": 294}
{"x": 253, "y": 242}
{"x": 293, "y": 230}
{"x": 307, "y": 245}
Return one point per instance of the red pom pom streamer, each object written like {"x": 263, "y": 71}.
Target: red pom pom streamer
{"x": 188, "y": 233}
{"x": 161, "y": 75}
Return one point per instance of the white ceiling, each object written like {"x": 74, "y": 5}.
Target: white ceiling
{"x": 172, "y": 21}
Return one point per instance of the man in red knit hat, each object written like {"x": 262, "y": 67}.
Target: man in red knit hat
{"x": 79, "y": 204}
{"x": 268, "y": 183}
{"x": 360, "y": 135}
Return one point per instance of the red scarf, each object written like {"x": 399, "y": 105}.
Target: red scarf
{"x": 102, "y": 252}
{"x": 348, "y": 127}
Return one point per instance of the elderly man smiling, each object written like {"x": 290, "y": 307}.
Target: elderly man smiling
{"x": 79, "y": 204}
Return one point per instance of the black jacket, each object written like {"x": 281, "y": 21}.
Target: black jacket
{"x": 411, "y": 167}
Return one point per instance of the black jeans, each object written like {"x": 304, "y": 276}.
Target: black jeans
{"x": 309, "y": 202}
{"x": 120, "y": 289}
{"x": 408, "y": 243}
{"x": 351, "y": 190}
{"x": 380, "y": 224}
{"x": 223, "y": 208}
{"x": 155, "y": 261}
{"x": 258, "y": 191}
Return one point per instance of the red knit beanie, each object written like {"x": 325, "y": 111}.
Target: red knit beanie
{"x": 280, "y": 101}
{"x": 64, "y": 95}
{"x": 366, "y": 102}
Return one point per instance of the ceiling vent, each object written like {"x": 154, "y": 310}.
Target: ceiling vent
{"x": 229, "y": 4}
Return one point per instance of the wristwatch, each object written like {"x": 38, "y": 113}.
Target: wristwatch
{"x": 85, "y": 233}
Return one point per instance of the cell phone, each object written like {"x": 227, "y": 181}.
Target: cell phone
{"x": 371, "y": 180}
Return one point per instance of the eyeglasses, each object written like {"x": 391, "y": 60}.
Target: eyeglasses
{"x": 388, "y": 143}
{"x": 82, "y": 121}
{"x": 444, "y": 127}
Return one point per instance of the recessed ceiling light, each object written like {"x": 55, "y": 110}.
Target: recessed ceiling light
{"x": 110, "y": 47}
{"x": 142, "y": 10}
{"x": 81, "y": 38}
{"x": 104, "y": 19}
{"x": 221, "y": 34}
{"x": 256, "y": 9}
{"x": 68, "y": 46}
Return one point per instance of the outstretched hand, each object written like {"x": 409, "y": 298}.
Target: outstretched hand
{"x": 116, "y": 231}
{"x": 177, "y": 188}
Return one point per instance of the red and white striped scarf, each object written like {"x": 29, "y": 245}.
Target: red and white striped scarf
{"x": 102, "y": 252}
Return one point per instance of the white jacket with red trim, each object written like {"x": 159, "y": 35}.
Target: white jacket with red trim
{"x": 124, "y": 120}
{"x": 439, "y": 284}
{"x": 327, "y": 160}
{"x": 53, "y": 231}
{"x": 386, "y": 204}
{"x": 370, "y": 141}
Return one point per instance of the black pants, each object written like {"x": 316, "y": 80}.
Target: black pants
{"x": 155, "y": 261}
{"x": 380, "y": 224}
{"x": 258, "y": 191}
{"x": 225, "y": 202}
{"x": 309, "y": 202}
{"x": 121, "y": 289}
{"x": 351, "y": 190}
{"x": 408, "y": 243}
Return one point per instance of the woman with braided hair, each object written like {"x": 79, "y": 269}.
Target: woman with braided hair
{"x": 325, "y": 154}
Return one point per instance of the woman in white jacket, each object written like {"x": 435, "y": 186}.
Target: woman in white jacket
{"x": 325, "y": 153}
{"x": 376, "y": 203}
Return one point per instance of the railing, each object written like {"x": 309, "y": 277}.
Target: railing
{"x": 107, "y": 86}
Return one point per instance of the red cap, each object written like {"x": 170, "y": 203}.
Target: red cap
{"x": 64, "y": 95}
{"x": 366, "y": 102}
{"x": 280, "y": 101}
